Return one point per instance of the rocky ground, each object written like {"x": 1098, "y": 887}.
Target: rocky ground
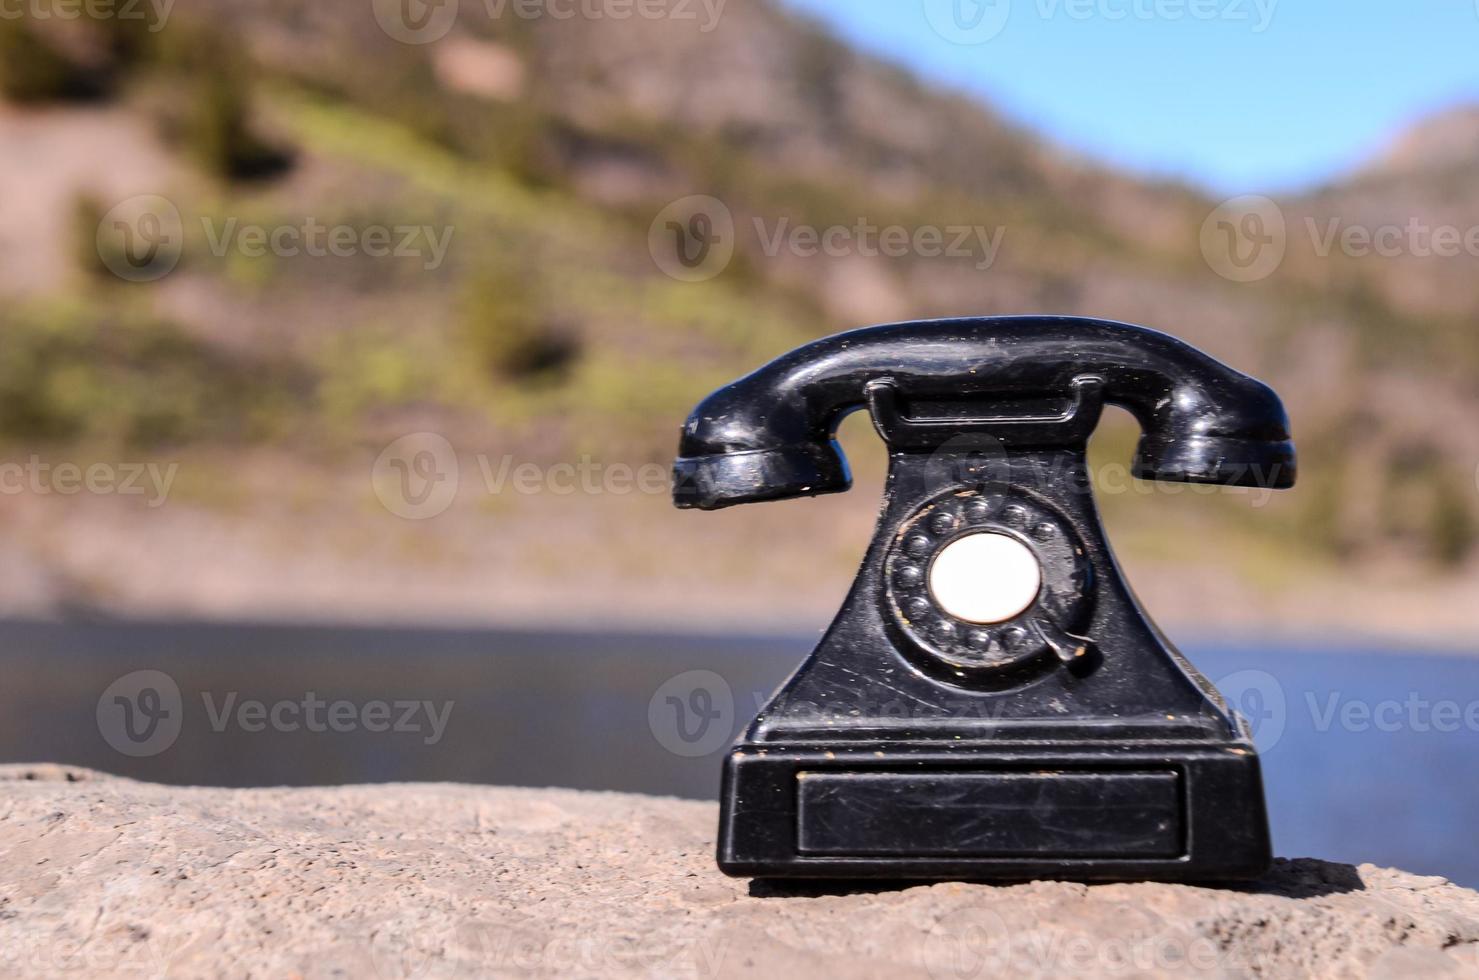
{"x": 102, "y": 876}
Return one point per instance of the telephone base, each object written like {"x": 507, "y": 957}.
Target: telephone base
{"x": 1074, "y": 811}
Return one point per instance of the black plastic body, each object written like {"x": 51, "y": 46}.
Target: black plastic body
{"x": 1072, "y": 741}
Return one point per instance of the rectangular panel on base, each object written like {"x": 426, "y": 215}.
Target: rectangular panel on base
{"x": 990, "y": 814}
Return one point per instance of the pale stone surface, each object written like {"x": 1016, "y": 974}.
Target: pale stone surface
{"x": 102, "y": 876}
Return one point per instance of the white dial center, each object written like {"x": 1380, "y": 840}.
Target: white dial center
{"x": 985, "y": 578}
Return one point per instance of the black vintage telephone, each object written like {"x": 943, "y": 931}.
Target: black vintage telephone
{"x": 991, "y": 701}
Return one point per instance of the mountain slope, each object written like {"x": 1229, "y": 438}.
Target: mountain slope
{"x": 544, "y": 152}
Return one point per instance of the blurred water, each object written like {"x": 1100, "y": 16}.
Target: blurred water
{"x": 1369, "y": 755}
{"x": 1373, "y": 755}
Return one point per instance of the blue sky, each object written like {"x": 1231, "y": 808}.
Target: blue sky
{"x": 1239, "y": 96}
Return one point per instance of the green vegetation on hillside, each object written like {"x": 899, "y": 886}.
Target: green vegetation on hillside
{"x": 549, "y": 321}
{"x": 77, "y": 374}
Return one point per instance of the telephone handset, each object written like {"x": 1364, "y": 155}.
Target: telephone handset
{"x": 991, "y": 701}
